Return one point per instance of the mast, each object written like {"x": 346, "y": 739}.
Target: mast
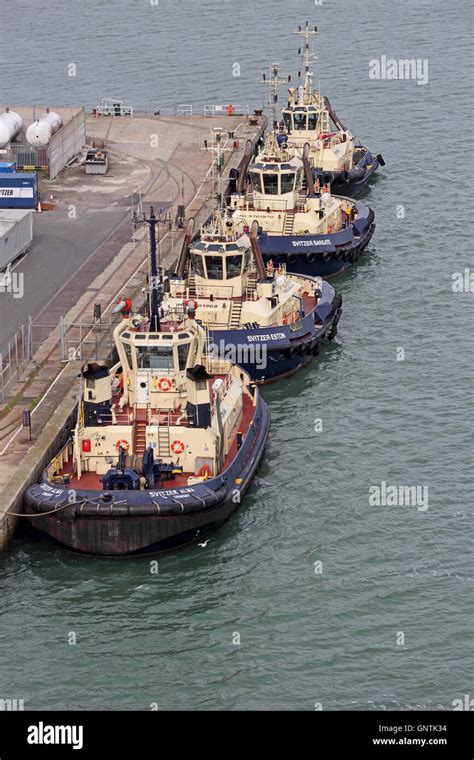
{"x": 308, "y": 56}
{"x": 155, "y": 280}
{"x": 272, "y": 83}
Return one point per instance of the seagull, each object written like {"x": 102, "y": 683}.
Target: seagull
{"x": 204, "y": 544}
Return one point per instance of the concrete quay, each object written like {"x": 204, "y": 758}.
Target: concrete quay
{"x": 87, "y": 247}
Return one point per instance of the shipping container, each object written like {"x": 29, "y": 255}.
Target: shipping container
{"x": 19, "y": 190}
{"x": 16, "y": 234}
{"x": 7, "y": 167}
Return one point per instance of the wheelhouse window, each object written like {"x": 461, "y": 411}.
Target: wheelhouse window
{"x": 255, "y": 178}
{"x": 287, "y": 182}
{"x": 299, "y": 118}
{"x": 183, "y": 351}
{"x": 198, "y": 265}
{"x": 214, "y": 267}
{"x": 270, "y": 184}
{"x": 155, "y": 357}
{"x": 234, "y": 265}
{"x": 312, "y": 120}
{"x": 287, "y": 120}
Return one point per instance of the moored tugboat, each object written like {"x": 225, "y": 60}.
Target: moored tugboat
{"x": 165, "y": 445}
{"x": 335, "y": 155}
{"x": 266, "y": 320}
{"x": 303, "y": 225}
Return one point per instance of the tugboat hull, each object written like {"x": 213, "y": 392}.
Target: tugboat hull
{"x": 269, "y": 354}
{"x": 131, "y": 523}
{"x": 351, "y": 183}
{"x": 321, "y": 255}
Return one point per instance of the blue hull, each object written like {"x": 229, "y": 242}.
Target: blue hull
{"x": 367, "y": 164}
{"x": 269, "y": 354}
{"x": 321, "y": 255}
{"x": 131, "y": 523}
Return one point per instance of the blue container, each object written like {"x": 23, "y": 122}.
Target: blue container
{"x": 19, "y": 190}
{"x": 7, "y": 167}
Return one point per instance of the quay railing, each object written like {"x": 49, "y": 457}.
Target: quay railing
{"x": 117, "y": 108}
{"x": 76, "y": 341}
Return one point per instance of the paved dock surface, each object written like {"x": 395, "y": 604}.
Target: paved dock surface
{"x": 89, "y": 256}
{"x": 161, "y": 158}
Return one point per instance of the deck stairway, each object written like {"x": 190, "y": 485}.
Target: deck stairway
{"x": 139, "y": 443}
{"x": 235, "y": 315}
{"x": 301, "y": 200}
{"x": 289, "y": 223}
{"x": 251, "y": 286}
{"x": 164, "y": 449}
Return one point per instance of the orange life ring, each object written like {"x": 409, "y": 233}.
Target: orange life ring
{"x": 230, "y": 109}
{"x": 205, "y": 471}
{"x": 164, "y": 384}
{"x": 193, "y": 301}
{"x": 285, "y": 319}
{"x": 177, "y": 447}
{"x": 122, "y": 443}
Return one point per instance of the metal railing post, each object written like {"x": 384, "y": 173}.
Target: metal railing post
{"x": 2, "y": 396}
{"x": 30, "y": 339}
{"x": 63, "y": 338}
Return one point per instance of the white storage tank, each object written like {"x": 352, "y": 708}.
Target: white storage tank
{"x": 41, "y": 131}
{"x": 10, "y": 125}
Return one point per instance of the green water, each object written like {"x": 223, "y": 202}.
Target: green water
{"x": 309, "y": 633}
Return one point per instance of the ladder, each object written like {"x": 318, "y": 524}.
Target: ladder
{"x": 164, "y": 449}
{"x": 235, "y": 314}
{"x": 251, "y": 286}
{"x": 301, "y": 200}
{"x": 289, "y": 223}
{"x": 140, "y": 438}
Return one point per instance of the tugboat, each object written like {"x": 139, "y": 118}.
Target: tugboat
{"x": 303, "y": 225}
{"x": 266, "y": 320}
{"x": 335, "y": 155}
{"x": 166, "y": 441}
